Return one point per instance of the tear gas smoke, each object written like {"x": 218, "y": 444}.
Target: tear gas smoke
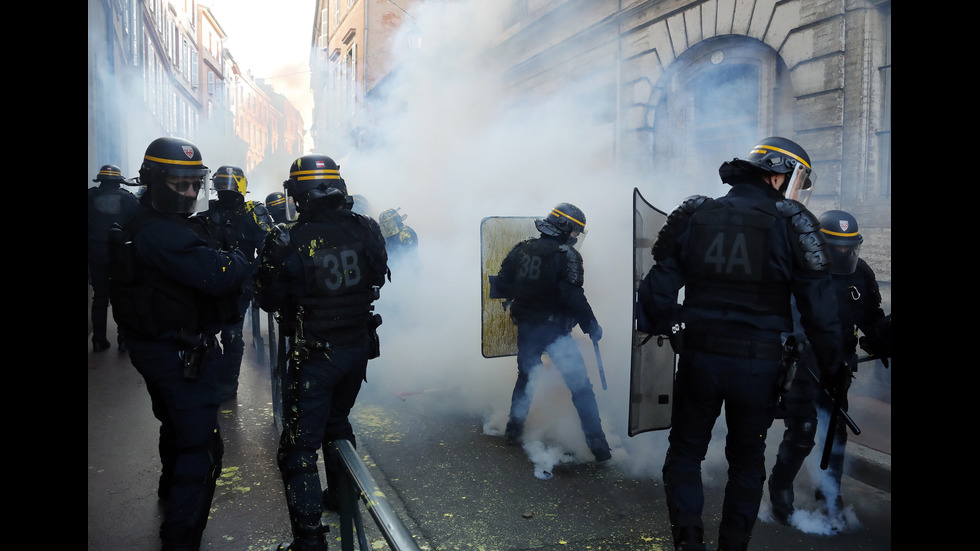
{"x": 451, "y": 145}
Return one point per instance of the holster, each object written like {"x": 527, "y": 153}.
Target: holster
{"x": 193, "y": 349}
{"x": 375, "y": 348}
{"x": 792, "y": 349}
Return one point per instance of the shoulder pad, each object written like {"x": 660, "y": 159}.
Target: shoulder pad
{"x": 675, "y": 225}
{"x": 807, "y": 240}
{"x": 575, "y": 270}
{"x": 788, "y": 208}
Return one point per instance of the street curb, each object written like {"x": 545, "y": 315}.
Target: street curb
{"x": 870, "y": 466}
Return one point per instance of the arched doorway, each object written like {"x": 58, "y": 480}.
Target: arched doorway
{"x": 720, "y": 96}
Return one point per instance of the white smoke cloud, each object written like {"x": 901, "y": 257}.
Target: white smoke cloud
{"x": 452, "y": 148}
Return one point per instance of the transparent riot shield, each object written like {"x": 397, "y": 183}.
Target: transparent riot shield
{"x": 498, "y": 235}
{"x": 652, "y": 360}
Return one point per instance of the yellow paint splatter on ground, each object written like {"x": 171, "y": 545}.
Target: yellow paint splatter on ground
{"x": 230, "y": 477}
{"x": 377, "y": 422}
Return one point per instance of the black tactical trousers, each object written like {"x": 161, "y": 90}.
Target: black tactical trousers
{"x": 747, "y": 389}
{"x": 190, "y": 444}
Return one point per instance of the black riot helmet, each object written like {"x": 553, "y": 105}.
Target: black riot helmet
{"x": 175, "y": 176}
{"x": 230, "y": 178}
{"x": 564, "y": 219}
{"x": 776, "y": 155}
{"x": 840, "y": 231}
{"x": 109, "y": 173}
{"x": 277, "y": 204}
{"x": 391, "y": 222}
{"x": 313, "y": 178}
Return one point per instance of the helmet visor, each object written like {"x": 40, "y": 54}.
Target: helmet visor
{"x": 181, "y": 191}
{"x": 800, "y": 182}
{"x": 230, "y": 182}
{"x": 843, "y": 256}
{"x": 576, "y": 238}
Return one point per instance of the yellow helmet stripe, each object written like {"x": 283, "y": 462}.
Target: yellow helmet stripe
{"x": 560, "y": 213}
{"x": 323, "y": 174}
{"x": 839, "y": 234}
{"x": 109, "y": 173}
{"x": 761, "y": 149}
{"x": 171, "y": 161}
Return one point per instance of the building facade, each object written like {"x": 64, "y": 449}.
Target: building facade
{"x": 692, "y": 82}
{"x": 160, "y": 68}
{"x": 352, "y": 56}
{"x": 676, "y": 86}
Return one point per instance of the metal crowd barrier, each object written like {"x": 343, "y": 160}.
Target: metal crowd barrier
{"x": 355, "y": 483}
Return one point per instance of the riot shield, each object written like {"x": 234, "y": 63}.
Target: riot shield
{"x": 277, "y": 361}
{"x": 256, "y": 322}
{"x": 652, "y": 359}
{"x": 498, "y": 235}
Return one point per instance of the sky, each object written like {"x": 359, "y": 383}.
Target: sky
{"x": 272, "y": 39}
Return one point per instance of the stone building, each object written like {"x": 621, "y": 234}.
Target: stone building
{"x": 160, "y": 68}
{"x": 680, "y": 86}
{"x": 692, "y": 79}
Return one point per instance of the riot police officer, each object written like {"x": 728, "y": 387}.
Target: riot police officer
{"x": 279, "y": 207}
{"x": 541, "y": 279}
{"x": 108, "y": 204}
{"x": 172, "y": 287}
{"x": 322, "y": 274}
{"x": 243, "y": 225}
{"x": 859, "y": 308}
{"x": 739, "y": 258}
{"x": 401, "y": 241}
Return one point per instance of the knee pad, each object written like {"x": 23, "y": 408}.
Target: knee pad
{"x": 800, "y": 434}
{"x": 293, "y": 460}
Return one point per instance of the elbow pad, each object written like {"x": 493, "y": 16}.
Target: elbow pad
{"x": 675, "y": 225}
{"x": 808, "y": 243}
{"x": 574, "y": 267}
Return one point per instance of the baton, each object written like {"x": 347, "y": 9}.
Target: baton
{"x": 843, "y": 414}
{"x": 598, "y": 361}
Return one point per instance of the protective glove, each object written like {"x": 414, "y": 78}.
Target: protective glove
{"x": 594, "y": 331}
{"x": 873, "y": 348}
{"x": 839, "y": 381}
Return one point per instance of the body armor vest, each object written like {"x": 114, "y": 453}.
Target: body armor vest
{"x": 535, "y": 276}
{"x": 729, "y": 267}
{"x": 340, "y": 274}
{"x": 150, "y": 304}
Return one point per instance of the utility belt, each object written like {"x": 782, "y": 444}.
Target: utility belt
{"x": 733, "y": 346}
{"x": 344, "y": 331}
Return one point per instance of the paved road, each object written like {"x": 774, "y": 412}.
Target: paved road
{"x": 436, "y": 452}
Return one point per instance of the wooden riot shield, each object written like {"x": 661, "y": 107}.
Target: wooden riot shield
{"x": 498, "y": 235}
{"x": 652, "y": 359}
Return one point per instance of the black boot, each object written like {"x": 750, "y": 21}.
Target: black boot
{"x": 690, "y": 538}
{"x": 513, "y": 433}
{"x": 822, "y": 500}
{"x": 306, "y": 538}
{"x": 600, "y": 448}
{"x": 98, "y": 345}
{"x": 781, "y": 499}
